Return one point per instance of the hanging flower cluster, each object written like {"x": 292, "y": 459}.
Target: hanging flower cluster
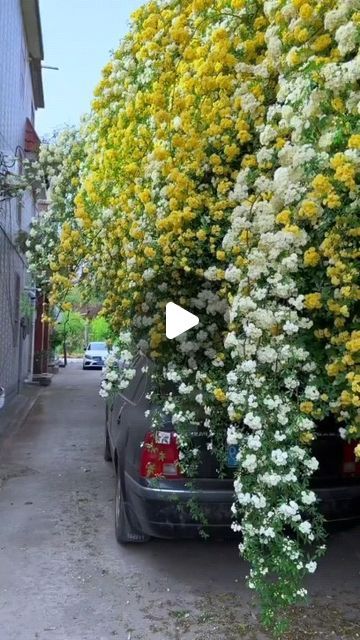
{"x": 221, "y": 171}
{"x": 11, "y": 185}
{"x": 117, "y": 372}
{"x": 298, "y": 254}
{"x": 55, "y": 175}
{"x": 17, "y": 177}
{"x": 272, "y": 391}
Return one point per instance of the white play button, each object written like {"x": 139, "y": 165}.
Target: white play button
{"x": 178, "y": 320}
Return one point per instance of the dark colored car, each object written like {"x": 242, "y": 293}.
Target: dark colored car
{"x": 145, "y": 507}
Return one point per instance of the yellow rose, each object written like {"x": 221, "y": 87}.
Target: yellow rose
{"x": 344, "y": 310}
{"x": 338, "y": 104}
{"x": 333, "y": 201}
{"x": 354, "y": 141}
{"x": 219, "y": 395}
{"x": 311, "y": 257}
{"x": 284, "y": 217}
{"x": 321, "y": 184}
{"x": 339, "y": 323}
{"x": 321, "y": 43}
{"x": 293, "y": 228}
{"x": 306, "y": 437}
{"x": 333, "y": 369}
{"x": 346, "y": 398}
{"x": 293, "y": 58}
{"x": 353, "y": 345}
{"x": 201, "y": 234}
{"x": 248, "y": 161}
{"x": 301, "y": 34}
{"x": 306, "y": 12}
{"x": 306, "y": 406}
{"x": 313, "y": 301}
{"x": 149, "y": 252}
{"x": 155, "y": 340}
{"x": 347, "y": 360}
{"x": 309, "y": 209}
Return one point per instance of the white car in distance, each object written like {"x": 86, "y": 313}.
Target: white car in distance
{"x": 95, "y": 354}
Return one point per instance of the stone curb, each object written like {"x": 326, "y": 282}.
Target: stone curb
{"x": 14, "y": 416}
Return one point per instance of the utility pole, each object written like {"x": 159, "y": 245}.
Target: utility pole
{"x": 64, "y": 338}
{"x": 87, "y": 327}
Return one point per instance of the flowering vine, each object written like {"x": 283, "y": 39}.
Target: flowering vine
{"x": 221, "y": 171}
{"x": 55, "y": 177}
{"x": 117, "y": 372}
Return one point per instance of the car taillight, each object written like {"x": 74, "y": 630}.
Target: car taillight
{"x": 160, "y": 455}
{"x": 350, "y": 467}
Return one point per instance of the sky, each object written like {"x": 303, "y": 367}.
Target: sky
{"x": 78, "y": 36}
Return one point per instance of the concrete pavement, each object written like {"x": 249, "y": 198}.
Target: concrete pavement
{"x": 63, "y": 576}
{"x": 15, "y": 412}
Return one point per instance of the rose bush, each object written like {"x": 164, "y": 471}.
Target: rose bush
{"x": 221, "y": 171}
{"x": 55, "y": 176}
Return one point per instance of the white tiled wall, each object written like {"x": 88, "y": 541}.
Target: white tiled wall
{"x": 16, "y": 97}
{"x": 16, "y": 104}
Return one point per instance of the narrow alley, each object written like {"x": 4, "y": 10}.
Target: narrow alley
{"x": 64, "y": 577}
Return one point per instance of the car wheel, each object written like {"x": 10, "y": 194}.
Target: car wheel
{"x": 84, "y": 368}
{"x": 107, "y": 450}
{"x": 124, "y": 531}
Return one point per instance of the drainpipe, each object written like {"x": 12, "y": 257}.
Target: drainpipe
{"x": 32, "y": 296}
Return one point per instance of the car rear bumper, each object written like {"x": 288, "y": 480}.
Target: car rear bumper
{"x": 163, "y": 512}
{"x": 339, "y": 503}
{"x": 167, "y": 513}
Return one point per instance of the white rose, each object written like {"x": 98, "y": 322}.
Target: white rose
{"x": 308, "y": 497}
{"x": 279, "y": 457}
{"x": 249, "y": 463}
{"x": 311, "y": 566}
{"x": 305, "y": 527}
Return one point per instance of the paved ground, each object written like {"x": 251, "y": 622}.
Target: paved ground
{"x": 63, "y": 576}
{"x": 15, "y": 411}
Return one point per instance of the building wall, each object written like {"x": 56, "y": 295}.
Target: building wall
{"x": 16, "y": 96}
{"x": 16, "y": 104}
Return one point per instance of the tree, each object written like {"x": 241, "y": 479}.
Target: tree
{"x": 100, "y": 329}
{"x": 71, "y": 328}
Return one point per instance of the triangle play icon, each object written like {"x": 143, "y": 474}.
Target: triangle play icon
{"x": 178, "y": 320}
